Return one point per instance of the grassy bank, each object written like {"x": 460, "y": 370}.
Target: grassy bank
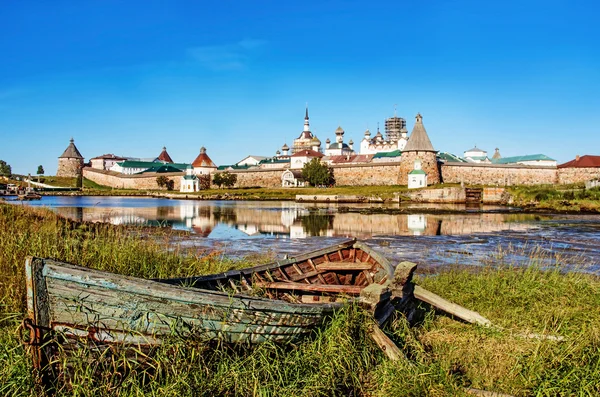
{"x": 564, "y": 198}
{"x": 445, "y": 356}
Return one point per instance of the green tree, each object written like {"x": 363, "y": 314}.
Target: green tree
{"x": 226, "y": 179}
{"x": 218, "y": 179}
{"x": 170, "y": 184}
{"x": 40, "y": 171}
{"x": 162, "y": 181}
{"x": 5, "y": 169}
{"x": 229, "y": 179}
{"x": 317, "y": 173}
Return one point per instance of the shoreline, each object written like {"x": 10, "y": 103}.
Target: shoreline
{"x": 343, "y": 206}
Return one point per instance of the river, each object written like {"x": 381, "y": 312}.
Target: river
{"x": 240, "y": 228}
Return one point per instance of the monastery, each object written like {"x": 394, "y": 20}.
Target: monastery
{"x": 396, "y": 158}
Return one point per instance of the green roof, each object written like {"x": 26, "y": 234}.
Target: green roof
{"x": 517, "y": 159}
{"x": 395, "y": 153}
{"x": 480, "y": 158}
{"x": 274, "y": 161}
{"x": 149, "y": 164}
{"x": 417, "y": 172}
{"x": 233, "y": 167}
{"x": 450, "y": 158}
{"x": 161, "y": 168}
{"x": 190, "y": 177}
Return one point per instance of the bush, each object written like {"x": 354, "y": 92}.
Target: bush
{"x": 317, "y": 173}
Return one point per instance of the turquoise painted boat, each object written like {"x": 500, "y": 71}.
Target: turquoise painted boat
{"x": 71, "y": 305}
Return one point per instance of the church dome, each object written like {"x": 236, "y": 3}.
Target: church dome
{"x": 315, "y": 141}
{"x": 285, "y": 147}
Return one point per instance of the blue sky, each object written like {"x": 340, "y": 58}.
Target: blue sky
{"x": 131, "y": 77}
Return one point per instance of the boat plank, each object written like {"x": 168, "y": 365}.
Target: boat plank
{"x": 82, "y": 297}
{"x": 340, "y": 289}
{"x": 344, "y": 266}
{"x": 161, "y": 323}
{"x": 89, "y": 277}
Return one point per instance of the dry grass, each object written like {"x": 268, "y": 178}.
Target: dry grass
{"x": 445, "y": 356}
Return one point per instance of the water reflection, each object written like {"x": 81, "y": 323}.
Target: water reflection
{"x": 230, "y": 219}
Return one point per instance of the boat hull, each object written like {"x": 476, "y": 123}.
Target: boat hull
{"x": 70, "y": 306}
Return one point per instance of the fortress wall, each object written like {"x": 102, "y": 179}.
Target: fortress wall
{"x": 120, "y": 181}
{"x": 497, "y": 174}
{"x": 367, "y": 174}
{"x": 345, "y": 175}
{"x": 575, "y": 175}
{"x": 376, "y": 174}
{"x": 262, "y": 178}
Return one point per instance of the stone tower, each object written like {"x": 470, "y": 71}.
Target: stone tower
{"x": 70, "y": 164}
{"x": 419, "y": 147}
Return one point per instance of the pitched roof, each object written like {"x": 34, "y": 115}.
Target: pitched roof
{"x": 273, "y": 161}
{"x": 164, "y": 156}
{"x": 479, "y": 158}
{"x": 150, "y": 164}
{"x": 352, "y": 158}
{"x": 496, "y": 155}
{"x": 393, "y": 153}
{"x": 419, "y": 141}
{"x": 71, "y": 152}
{"x": 109, "y": 156}
{"x": 234, "y": 167}
{"x": 417, "y": 172}
{"x": 450, "y": 158}
{"x": 161, "y": 168}
{"x": 518, "y": 159}
{"x": 307, "y": 153}
{"x": 476, "y": 149}
{"x": 586, "y": 161}
{"x": 203, "y": 160}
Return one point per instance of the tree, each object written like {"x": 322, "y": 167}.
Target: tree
{"x": 162, "y": 181}
{"x": 229, "y": 179}
{"x": 218, "y": 179}
{"x": 40, "y": 171}
{"x": 170, "y": 184}
{"x": 5, "y": 169}
{"x": 225, "y": 178}
{"x": 317, "y": 173}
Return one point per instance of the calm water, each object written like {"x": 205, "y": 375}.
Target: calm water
{"x": 245, "y": 227}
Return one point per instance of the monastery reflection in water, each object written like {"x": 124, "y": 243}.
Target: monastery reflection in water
{"x": 294, "y": 220}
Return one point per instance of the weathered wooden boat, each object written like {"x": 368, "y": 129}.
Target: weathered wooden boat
{"x": 75, "y": 305}
{"x": 29, "y": 196}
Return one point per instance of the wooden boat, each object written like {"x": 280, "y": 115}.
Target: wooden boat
{"x": 29, "y": 196}
{"x": 75, "y": 305}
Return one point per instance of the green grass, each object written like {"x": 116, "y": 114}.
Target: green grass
{"x": 567, "y": 198}
{"x": 445, "y": 356}
{"x": 384, "y": 192}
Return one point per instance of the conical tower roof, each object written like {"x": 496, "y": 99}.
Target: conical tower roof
{"x": 419, "y": 140}
{"x": 203, "y": 160}
{"x": 164, "y": 156}
{"x": 496, "y": 155}
{"x": 71, "y": 152}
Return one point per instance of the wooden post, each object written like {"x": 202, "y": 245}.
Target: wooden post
{"x": 451, "y": 308}
{"x": 387, "y": 346}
